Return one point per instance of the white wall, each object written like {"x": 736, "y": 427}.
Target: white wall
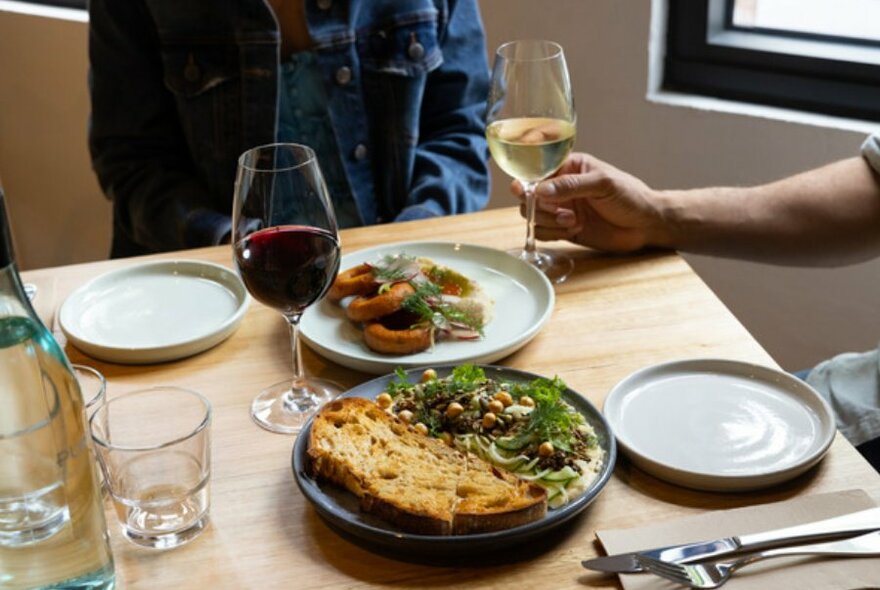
{"x": 57, "y": 209}
{"x": 800, "y": 316}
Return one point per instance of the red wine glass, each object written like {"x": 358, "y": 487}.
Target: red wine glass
{"x": 286, "y": 247}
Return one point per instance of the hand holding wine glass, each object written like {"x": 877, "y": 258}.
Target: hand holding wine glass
{"x": 531, "y": 129}
{"x": 286, "y": 247}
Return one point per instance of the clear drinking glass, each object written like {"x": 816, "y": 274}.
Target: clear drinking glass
{"x": 155, "y": 451}
{"x": 531, "y": 129}
{"x": 93, "y": 386}
{"x": 286, "y": 247}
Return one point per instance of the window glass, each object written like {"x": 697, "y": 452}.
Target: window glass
{"x": 850, "y": 19}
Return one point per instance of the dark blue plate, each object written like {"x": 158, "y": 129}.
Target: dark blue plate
{"x": 340, "y": 509}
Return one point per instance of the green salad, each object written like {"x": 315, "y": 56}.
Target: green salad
{"x": 526, "y": 428}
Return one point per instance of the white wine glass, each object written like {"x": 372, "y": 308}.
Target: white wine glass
{"x": 286, "y": 247}
{"x": 530, "y": 129}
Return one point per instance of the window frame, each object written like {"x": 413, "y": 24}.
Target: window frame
{"x": 707, "y": 54}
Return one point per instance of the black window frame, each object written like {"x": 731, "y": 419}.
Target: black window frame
{"x": 695, "y": 64}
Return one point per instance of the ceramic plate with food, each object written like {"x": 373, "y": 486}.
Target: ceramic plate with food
{"x": 342, "y": 509}
{"x": 509, "y": 299}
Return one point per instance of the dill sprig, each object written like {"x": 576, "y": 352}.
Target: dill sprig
{"x": 393, "y": 268}
{"x": 436, "y": 313}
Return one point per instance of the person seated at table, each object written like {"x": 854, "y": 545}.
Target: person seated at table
{"x": 390, "y": 93}
{"x": 829, "y": 216}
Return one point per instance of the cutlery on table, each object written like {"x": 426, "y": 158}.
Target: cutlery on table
{"x": 821, "y": 530}
{"x": 713, "y": 574}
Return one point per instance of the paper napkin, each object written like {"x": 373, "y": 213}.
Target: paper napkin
{"x": 802, "y": 573}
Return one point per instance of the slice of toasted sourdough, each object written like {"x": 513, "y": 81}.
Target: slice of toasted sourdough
{"x": 413, "y": 481}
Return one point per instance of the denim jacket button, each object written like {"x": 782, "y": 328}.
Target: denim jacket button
{"x": 191, "y": 71}
{"x": 360, "y": 151}
{"x": 416, "y": 51}
{"x": 325, "y": 4}
{"x": 343, "y": 75}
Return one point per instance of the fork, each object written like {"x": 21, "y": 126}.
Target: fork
{"x": 713, "y": 574}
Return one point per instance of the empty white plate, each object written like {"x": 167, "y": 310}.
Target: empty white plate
{"x": 719, "y": 425}
{"x": 154, "y": 311}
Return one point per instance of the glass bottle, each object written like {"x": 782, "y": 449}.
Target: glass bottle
{"x": 52, "y": 528}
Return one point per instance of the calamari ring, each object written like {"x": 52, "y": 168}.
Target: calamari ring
{"x": 389, "y": 341}
{"x": 364, "y": 309}
{"x": 355, "y": 281}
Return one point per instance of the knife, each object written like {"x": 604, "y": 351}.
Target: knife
{"x": 841, "y": 526}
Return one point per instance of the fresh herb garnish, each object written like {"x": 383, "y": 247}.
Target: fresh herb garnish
{"x": 552, "y": 419}
{"x": 394, "y": 268}
{"x": 433, "y": 421}
{"x": 467, "y": 378}
{"x": 395, "y": 388}
{"x": 438, "y": 312}
{"x": 430, "y": 389}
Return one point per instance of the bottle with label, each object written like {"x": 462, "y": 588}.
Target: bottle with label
{"x": 52, "y": 528}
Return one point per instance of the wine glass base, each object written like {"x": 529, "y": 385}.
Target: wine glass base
{"x": 280, "y": 409}
{"x": 556, "y": 267}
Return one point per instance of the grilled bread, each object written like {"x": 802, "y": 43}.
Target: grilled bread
{"x": 413, "y": 481}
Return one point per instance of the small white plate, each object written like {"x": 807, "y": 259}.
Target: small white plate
{"x": 155, "y": 311}
{"x": 719, "y": 425}
{"x": 523, "y": 303}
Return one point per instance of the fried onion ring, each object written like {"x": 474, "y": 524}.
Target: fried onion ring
{"x": 364, "y": 309}
{"x": 386, "y": 340}
{"x": 357, "y": 280}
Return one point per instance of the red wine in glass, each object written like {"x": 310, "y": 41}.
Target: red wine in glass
{"x": 288, "y": 267}
{"x": 286, "y": 247}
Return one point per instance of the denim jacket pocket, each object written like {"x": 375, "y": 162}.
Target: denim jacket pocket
{"x": 408, "y": 46}
{"x": 205, "y": 81}
{"x": 195, "y": 69}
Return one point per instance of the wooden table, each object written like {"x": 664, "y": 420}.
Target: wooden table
{"x": 614, "y": 315}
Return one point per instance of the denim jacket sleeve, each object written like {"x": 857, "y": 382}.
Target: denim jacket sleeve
{"x": 138, "y": 150}
{"x": 451, "y": 163}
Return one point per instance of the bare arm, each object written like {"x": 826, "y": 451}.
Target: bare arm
{"x": 824, "y": 217}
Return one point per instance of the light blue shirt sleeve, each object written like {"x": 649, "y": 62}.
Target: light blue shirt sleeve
{"x": 851, "y": 381}
{"x": 871, "y": 152}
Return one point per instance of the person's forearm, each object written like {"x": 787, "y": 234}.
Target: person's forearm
{"x": 825, "y": 217}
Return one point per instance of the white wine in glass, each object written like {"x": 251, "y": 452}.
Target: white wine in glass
{"x": 531, "y": 129}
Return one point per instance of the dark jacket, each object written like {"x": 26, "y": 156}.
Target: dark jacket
{"x": 180, "y": 89}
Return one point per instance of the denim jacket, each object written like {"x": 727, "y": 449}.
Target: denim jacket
{"x": 180, "y": 89}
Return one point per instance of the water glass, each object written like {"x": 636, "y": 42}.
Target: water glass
{"x": 154, "y": 449}
{"x": 93, "y": 386}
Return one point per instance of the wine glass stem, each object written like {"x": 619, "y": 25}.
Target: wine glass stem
{"x": 529, "y": 250}
{"x": 298, "y": 388}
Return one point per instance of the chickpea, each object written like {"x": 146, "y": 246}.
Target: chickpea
{"x": 454, "y": 410}
{"x": 546, "y": 449}
{"x": 527, "y": 401}
{"x": 421, "y": 428}
{"x": 447, "y": 438}
{"x": 405, "y": 416}
{"x": 489, "y": 420}
{"x": 504, "y": 397}
{"x": 384, "y": 400}
{"x": 496, "y": 407}
{"x": 429, "y": 375}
